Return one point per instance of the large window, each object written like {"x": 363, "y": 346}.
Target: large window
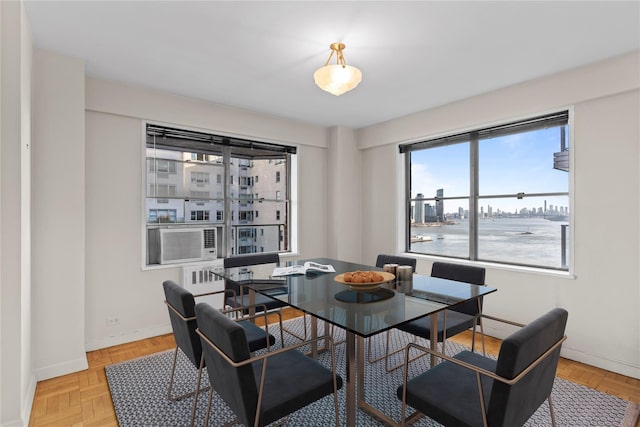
{"x": 498, "y": 194}
{"x": 196, "y": 210}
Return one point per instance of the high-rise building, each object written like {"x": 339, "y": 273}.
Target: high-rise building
{"x": 430, "y": 213}
{"x": 440, "y": 204}
{"x": 418, "y": 217}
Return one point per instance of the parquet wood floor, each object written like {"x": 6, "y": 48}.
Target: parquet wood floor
{"x": 83, "y": 398}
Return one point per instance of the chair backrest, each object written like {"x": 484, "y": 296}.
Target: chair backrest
{"x": 395, "y": 259}
{"x": 513, "y": 405}
{"x": 246, "y": 260}
{"x": 236, "y": 386}
{"x": 184, "y": 331}
{"x": 461, "y": 273}
{"x": 253, "y": 259}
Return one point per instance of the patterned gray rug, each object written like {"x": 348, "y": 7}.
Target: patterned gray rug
{"x": 139, "y": 393}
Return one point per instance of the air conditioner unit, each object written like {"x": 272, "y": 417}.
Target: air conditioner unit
{"x": 178, "y": 245}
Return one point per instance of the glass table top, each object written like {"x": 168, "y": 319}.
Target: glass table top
{"x": 363, "y": 312}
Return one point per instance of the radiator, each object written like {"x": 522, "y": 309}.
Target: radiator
{"x": 199, "y": 279}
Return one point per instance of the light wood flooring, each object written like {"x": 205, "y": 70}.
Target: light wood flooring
{"x": 83, "y": 398}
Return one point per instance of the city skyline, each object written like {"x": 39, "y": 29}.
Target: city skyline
{"x": 429, "y": 212}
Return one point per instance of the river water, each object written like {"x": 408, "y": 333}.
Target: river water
{"x": 528, "y": 241}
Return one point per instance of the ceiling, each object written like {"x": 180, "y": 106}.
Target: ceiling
{"x": 261, "y": 55}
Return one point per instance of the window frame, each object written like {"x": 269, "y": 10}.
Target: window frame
{"x": 473, "y": 199}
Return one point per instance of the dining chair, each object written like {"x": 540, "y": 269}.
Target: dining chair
{"x": 461, "y": 317}
{"x": 241, "y": 297}
{"x": 181, "y": 306}
{"x": 383, "y": 259}
{"x": 241, "y": 293}
{"x": 452, "y": 321}
{"x": 469, "y": 389}
{"x": 266, "y": 387}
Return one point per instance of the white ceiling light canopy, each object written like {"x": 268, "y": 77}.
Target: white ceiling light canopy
{"x": 337, "y": 78}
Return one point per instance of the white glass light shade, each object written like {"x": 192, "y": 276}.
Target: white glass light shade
{"x": 337, "y": 79}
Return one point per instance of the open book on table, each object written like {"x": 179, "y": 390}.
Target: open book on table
{"x": 307, "y": 268}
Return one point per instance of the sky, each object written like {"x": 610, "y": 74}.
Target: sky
{"x": 508, "y": 165}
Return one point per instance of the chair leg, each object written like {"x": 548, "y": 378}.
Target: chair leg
{"x": 173, "y": 370}
{"x": 473, "y": 336}
{"x": 206, "y": 417}
{"x": 195, "y": 396}
{"x": 170, "y": 389}
{"x": 553, "y": 417}
{"x": 290, "y": 332}
{"x": 387, "y": 354}
{"x": 484, "y": 353}
{"x": 377, "y": 359}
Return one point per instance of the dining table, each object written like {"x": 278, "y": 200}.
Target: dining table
{"x": 362, "y": 311}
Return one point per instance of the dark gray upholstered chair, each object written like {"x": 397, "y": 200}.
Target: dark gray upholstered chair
{"x": 454, "y": 320}
{"x": 181, "y": 306}
{"x": 241, "y": 293}
{"x": 472, "y": 390}
{"x": 395, "y": 259}
{"x": 381, "y": 260}
{"x": 265, "y": 388}
{"x": 241, "y": 298}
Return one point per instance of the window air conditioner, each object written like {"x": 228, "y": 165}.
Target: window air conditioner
{"x": 178, "y": 245}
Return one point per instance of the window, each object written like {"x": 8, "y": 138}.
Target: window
{"x": 162, "y": 216}
{"x": 199, "y": 215}
{"x": 246, "y": 216}
{"x": 163, "y": 166}
{"x": 200, "y": 194}
{"x": 277, "y": 176}
{"x": 277, "y": 215}
{"x": 199, "y": 178}
{"x": 162, "y": 190}
{"x": 186, "y": 187}
{"x": 498, "y": 194}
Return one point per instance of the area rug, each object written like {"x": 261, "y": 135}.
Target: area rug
{"x": 139, "y": 393}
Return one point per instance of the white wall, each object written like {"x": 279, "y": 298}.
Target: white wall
{"x": 17, "y": 379}
{"x": 58, "y": 215}
{"x": 344, "y": 202}
{"x": 27, "y": 374}
{"x": 116, "y": 284}
{"x": 603, "y": 297}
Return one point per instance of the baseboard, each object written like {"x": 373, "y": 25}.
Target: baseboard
{"x": 618, "y": 367}
{"x": 28, "y": 404}
{"x": 567, "y": 352}
{"x": 68, "y": 367}
{"x": 130, "y": 336}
